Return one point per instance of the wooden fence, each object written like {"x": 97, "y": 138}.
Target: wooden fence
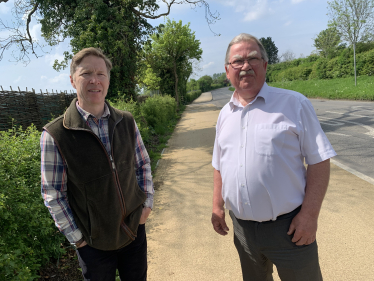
{"x": 23, "y": 108}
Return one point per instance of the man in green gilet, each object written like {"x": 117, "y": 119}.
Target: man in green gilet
{"x": 96, "y": 177}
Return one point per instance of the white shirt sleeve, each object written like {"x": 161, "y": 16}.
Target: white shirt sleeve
{"x": 315, "y": 146}
{"x": 216, "y": 149}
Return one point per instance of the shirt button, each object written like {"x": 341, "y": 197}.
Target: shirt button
{"x": 241, "y": 165}
{"x": 243, "y": 127}
{"x": 242, "y": 185}
{"x": 242, "y": 146}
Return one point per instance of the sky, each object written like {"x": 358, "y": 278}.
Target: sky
{"x": 292, "y": 25}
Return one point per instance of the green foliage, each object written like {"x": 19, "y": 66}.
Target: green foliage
{"x": 221, "y": 79}
{"x": 153, "y": 115}
{"x": 191, "y": 96}
{"x": 28, "y": 236}
{"x": 327, "y": 42}
{"x": 170, "y": 57}
{"x": 109, "y": 25}
{"x": 354, "y": 20}
{"x": 192, "y": 85}
{"x": 205, "y": 83}
{"x": 271, "y": 49}
{"x": 157, "y": 110}
{"x": 368, "y": 67}
{"x": 318, "y": 67}
{"x": 339, "y": 88}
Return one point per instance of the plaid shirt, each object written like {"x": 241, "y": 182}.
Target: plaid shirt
{"x": 54, "y": 176}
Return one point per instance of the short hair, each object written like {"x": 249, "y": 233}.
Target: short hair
{"x": 244, "y": 37}
{"x": 78, "y": 57}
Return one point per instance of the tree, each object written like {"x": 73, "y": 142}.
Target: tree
{"x": 354, "y": 19}
{"x": 271, "y": 49}
{"x": 171, "y": 53}
{"x": 118, "y": 27}
{"x": 288, "y": 56}
{"x": 327, "y": 41}
{"x": 205, "y": 83}
{"x": 220, "y": 79}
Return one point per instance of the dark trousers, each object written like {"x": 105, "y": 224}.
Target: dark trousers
{"x": 131, "y": 261}
{"x": 262, "y": 244}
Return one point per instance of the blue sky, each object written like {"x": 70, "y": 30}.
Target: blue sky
{"x": 292, "y": 25}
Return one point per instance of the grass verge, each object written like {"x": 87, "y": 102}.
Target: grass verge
{"x": 339, "y": 88}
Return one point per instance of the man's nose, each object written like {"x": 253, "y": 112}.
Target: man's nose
{"x": 94, "y": 79}
{"x": 246, "y": 65}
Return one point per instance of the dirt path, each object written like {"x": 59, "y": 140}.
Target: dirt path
{"x": 182, "y": 245}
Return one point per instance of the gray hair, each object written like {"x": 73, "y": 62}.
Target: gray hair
{"x": 244, "y": 37}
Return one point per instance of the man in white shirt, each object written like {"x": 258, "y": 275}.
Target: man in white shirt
{"x": 263, "y": 136}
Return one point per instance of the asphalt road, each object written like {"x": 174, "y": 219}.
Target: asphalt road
{"x": 349, "y": 125}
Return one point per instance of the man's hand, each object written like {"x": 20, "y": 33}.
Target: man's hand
{"x": 304, "y": 228}
{"x": 145, "y": 213}
{"x": 304, "y": 224}
{"x": 218, "y": 221}
{"x": 82, "y": 244}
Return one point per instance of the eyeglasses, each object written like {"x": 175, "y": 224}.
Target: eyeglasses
{"x": 240, "y": 63}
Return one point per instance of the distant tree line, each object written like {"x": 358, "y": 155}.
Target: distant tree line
{"x": 207, "y": 83}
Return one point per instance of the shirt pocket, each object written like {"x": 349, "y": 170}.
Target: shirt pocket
{"x": 269, "y": 138}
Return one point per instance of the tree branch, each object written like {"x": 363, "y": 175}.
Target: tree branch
{"x": 156, "y": 17}
{"x": 28, "y": 27}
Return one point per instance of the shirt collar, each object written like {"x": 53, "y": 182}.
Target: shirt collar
{"x": 85, "y": 114}
{"x": 234, "y": 101}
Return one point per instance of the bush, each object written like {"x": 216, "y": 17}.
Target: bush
{"x": 191, "y": 96}
{"x": 28, "y": 236}
{"x": 158, "y": 110}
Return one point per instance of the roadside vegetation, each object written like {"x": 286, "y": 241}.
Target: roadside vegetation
{"x": 339, "y": 88}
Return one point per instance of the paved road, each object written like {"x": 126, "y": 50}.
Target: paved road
{"x": 349, "y": 125}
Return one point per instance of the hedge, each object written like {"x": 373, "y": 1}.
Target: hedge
{"x": 317, "y": 67}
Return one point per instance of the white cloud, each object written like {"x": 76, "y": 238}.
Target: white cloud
{"x": 18, "y": 79}
{"x": 5, "y": 8}
{"x": 257, "y": 11}
{"x": 208, "y": 65}
{"x": 252, "y": 9}
{"x": 60, "y": 78}
{"x": 50, "y": 58}
{"x": 43, "y": 77}
{"x": 296, "y": 1}
{"x": 36, "y": 32}
{"x": 288, "y": 23}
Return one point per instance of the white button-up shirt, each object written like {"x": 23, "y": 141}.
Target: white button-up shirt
{"x": 260, "y": 150}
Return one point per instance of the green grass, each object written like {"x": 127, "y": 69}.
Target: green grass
{"x": 231, "y": 88}
{"x": 339, "y": 88}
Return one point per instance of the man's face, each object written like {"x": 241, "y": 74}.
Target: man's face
{"x": 91, "y": 82}
{"x": 247, "y": 80}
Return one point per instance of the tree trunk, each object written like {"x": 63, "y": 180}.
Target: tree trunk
{"x": 354, "y": 61}
{"x": 176, "y": 83}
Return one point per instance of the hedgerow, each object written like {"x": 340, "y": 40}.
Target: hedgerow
{"x": 28, "y": 237}
{"x": 317, "y": 67}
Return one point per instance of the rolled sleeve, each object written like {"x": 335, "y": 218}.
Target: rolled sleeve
{"x": 315, "y": 146}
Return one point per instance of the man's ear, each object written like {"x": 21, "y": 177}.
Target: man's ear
{"x": 227, "y": 72}
{"x": 72, "y": 82}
